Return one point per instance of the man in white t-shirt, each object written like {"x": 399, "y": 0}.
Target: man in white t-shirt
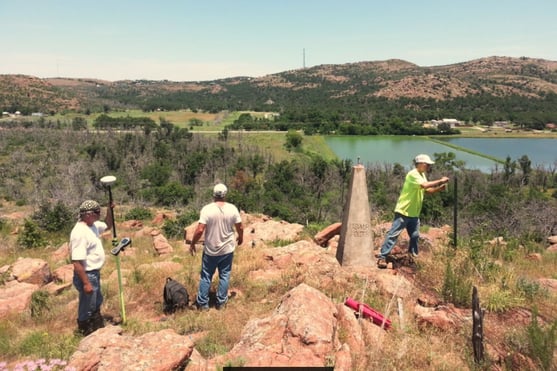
{"x": 87, "y": 254}
{"x": 219, "y": 220}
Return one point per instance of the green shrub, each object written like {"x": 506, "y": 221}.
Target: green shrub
{"x": 31, "y": 236}
{"x": 40, "y": 303}
{"x": 530, "y": 289}
{"x": 457, "y": 287}
{"x": 138, "y": 213}
{"x": 502, "y": 300}
{"x": 57, "y": 218}
{"x": 169, "y": 194}
{"x": 542, "y": 341}
{"x": 3, "y": 225}
{"x": 175, "y": 228}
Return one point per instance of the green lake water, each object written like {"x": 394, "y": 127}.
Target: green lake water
{"x": 396, "y": 149}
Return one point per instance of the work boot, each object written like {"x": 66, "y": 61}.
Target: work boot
{"x": 97, "y": 320}
{"x": 84, "y": 327}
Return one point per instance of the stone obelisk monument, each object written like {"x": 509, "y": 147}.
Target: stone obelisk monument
{"x": 355, "y": 247}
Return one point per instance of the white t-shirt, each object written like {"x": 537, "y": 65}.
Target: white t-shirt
{"x": 86, "y": 245}
{"x": 220, "y": 226}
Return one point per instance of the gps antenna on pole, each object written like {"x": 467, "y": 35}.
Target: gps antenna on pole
{"x": 108, "y": 181}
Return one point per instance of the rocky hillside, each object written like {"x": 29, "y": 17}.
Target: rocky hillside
{"x": 356, "y": 82}
{"x": 287, "y": 307}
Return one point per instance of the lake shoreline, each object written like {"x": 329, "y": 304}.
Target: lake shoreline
{"x": 482, "y": 153}
{"x": 464, "y": 149}
{"x": 478, "y": 132}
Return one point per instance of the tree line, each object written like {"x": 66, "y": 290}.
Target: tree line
{"x": 318, "y": 124}
{"x": 173, "y": 168}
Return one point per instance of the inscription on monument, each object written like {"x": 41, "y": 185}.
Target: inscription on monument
{"x": 360, "y": 229}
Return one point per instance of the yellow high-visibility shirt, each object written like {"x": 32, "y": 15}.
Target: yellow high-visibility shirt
{"x": 412, "y": 194}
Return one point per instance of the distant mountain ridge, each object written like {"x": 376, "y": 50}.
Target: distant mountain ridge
{"x": 393, "y": 80}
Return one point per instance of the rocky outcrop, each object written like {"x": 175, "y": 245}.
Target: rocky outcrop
{"x": 306, "y": 328}
{"x": 35, "y": 271}
{"x": 15, "y": 297}
{"x": 23, "y": 278}
{"x": 304, "y": 260}
{"x": 446, "y": 318}
{"x": 302, "y": 331}
{"x": 258, "y": 230}
{"x": 261, "y": 229}
{"x": 109, "y": 349}
{"x": 62, "y": 253}
{"x": 161, "y": 244}
{"x": 62, "y": 280}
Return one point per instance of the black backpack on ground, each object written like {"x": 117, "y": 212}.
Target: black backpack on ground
{"x": 175, "y": 296}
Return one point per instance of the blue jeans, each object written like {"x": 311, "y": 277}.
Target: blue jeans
{"x": 88, "y": 303}
{"x": 412, "y": 225}
{"x": 209, "y": 264}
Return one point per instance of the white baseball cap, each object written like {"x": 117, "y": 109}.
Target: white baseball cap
{"x": 220, "y": 190}
{"x": 423, "y": 159}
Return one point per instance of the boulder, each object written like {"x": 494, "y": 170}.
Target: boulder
{"x": 311, "y": 261}
{"x": 62, "y": 253}
{"x": 132, "y": 224}
{"x": 63, "y": 273}
{"x": 322, "y": 237}
{"x": 445, "y": 318}
{"x": 300, "y": 332}
{"x": 394, "y": 284}
{"x": 29, "y": 270}
{"x": 161, "y": 244}
{"x": 62, "y": 280}
{"x": 188, "y": 234}
{"x": 349, "y": 321}
{"x": 160, "y": 218}
{"x": 271, "y": 230}
{"x": 15, "y": 297}
{"x": 108, "y": 349}
{"x": 257, "y": 229}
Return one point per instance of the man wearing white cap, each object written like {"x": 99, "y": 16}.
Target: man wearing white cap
{"x": 218, "y": 220}
{"x": 409, "y": 206}
{"x": 87, "y": 255}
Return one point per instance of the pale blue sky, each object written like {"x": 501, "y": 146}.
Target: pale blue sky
{"x": 183, "y": 40}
